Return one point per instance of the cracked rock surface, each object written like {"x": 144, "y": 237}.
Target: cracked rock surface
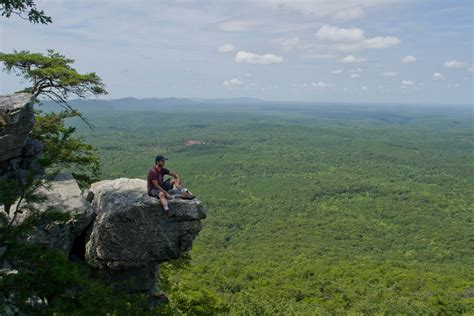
{"x": 131, "y": 234}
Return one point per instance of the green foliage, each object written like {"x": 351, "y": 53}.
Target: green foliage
{"x": 52, "y": 75}
{"x": 12, "y": 190}
{"x": 184, "y": 297}
{"x": 25, "y": 9}
{"x": 51, "y": 284}
{"x": 64, "y": 151}
{"x": 42, "y": 281}
{"x": 8, "y": 192}
{"x": 311, "y": 209}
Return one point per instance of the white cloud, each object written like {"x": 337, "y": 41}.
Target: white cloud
{"x": 455, "y": 64}
{"x": 337, "y": 71}
{"x": 351, "y": 59}
{"x": 226, "y": 48}
{"x": 336, "y": 34}
{"x": 251, "y": 58}
{"x": 380, "y": 42}
{"x": 356, "y": 70}
{"x": 340, "y": 10}
{"x": 352, "y": 39}
{"x": 437, "y": 76}
{"x": 236, "y": 25}
{"x": 365, "y": 88}
{"x": 318, "y": 84}
{"x": 193, "y": 39}
{"x": 389, "y": 74}
{"x": 232, "y": 83}
{"x": 322, "y": 84}
{"x": 407, "y": 83}
{"x": 408, "y": 59}
{"x": 354, "y": 76}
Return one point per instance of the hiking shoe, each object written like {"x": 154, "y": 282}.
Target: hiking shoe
{"x": 186, "y": 195}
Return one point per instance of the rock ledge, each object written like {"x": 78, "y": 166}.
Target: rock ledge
{"x": 131, "y": 234}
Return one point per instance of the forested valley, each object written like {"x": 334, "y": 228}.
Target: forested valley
{"x": 312, "y": 208}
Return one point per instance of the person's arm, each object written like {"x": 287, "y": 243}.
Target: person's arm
{"x": 156, "y": 185}
{"x": 175, "y": 175}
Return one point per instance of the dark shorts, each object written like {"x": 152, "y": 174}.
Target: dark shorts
{"x": 165, "y": 185}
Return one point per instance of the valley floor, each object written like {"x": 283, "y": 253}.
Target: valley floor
{"x": 311, "y": 209}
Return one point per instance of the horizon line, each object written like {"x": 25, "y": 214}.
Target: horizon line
{"x": 194, "y": 99}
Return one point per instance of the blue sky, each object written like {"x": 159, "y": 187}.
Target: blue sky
{"x": 386, "y": 51}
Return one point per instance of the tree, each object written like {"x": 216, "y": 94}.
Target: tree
{"x": 52, "y": 75}
{"x": 25, "y": 9}
{"x": 64, "y": 151}
{"x": 46, "y": 282}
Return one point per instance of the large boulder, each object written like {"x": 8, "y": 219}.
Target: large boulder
{"x": 16, "y": 122}
{"x": 62, "y": 194}
{"x": 18, "y": 152}
{"x": 131, "y": 234}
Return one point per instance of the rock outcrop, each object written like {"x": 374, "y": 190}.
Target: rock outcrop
{"x": 62, "y": 194}
{"x": 17, "y": 150}
{"x": 114, "y": 226}
{"x": 131, "y": 234}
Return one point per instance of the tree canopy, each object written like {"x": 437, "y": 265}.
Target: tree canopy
{"x": 52, "y": 75}
{"x": 25, "y": 9}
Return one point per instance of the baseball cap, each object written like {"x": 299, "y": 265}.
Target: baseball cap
{"x": 160, "y": 157}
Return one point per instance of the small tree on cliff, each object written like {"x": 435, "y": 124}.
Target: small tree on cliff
{"x": 25, "y": 9}
{"x": 53, "y": 77}
{"x": 45, "y": 282}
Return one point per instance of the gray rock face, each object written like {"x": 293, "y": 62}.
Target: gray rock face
{"x": 115, "y": 226}
{"x": 131, "y": 234}
{"x": 17, "y": 150}
{"x": 62, "y": 194}
{"x": 16, "y": 122}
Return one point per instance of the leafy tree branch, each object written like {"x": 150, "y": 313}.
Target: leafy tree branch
{"x": 25, "y": 9}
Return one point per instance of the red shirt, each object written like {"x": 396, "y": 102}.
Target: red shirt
{"x": 155, "y": 174}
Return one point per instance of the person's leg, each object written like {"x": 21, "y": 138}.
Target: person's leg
{"x": 161, "y": 196}
{"x": 167, "y": 185}
{"x": 176, "y": 183}
{"x": 164, "y": 201}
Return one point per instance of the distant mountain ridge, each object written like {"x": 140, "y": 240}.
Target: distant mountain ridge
{"x": 131, "y": 103}
{"x": 211, "y": 104}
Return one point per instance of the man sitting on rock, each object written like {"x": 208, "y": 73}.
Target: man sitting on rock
{"x": 162, "y": 189}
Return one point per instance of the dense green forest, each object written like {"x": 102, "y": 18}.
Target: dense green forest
{"x": 311, "y": 208}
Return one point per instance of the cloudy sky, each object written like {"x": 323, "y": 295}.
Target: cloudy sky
{"x": 387, "y": 51}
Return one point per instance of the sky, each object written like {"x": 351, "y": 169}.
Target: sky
{"x": 376, "y": 51}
